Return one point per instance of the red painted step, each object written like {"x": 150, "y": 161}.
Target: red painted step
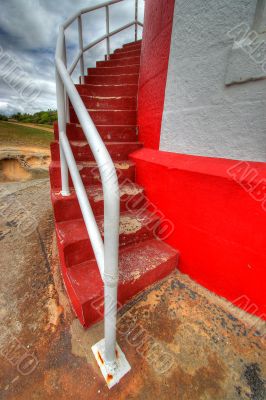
{"x": 140, "y": 265}
{"x": 74, "y": 240}
{"x": 130, "y": 44}
{"x": 111, "y": 79}
{"x": 126, "y": 69}
{"x": 108, "y": 90}
{"x": 110, "y": 117}
{"x": 124, "y": 54}
{"x": 110, "y": 103}
{"x": 119, "y": 62}
{"x": 90, "y": 174}
{"x": 110, "y": 95}
{"x": 67, "y": 207}
{"x": 109, "y": 133}
{"x": 82, "y": 152}
{"x": 129, "y": 48}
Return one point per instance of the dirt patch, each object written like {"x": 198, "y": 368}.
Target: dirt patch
{"x": 23, "y": 163}
{"x": 12, "y": 170}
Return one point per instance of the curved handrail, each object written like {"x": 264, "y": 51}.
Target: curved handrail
{"x": 106, "y": 253}
{"x": 102, "y": 157}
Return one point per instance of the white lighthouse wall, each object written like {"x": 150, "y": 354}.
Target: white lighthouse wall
{"x": 202, "y": 115}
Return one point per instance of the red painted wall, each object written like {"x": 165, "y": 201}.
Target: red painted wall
{"x": 153, "y": 71}
{"x": 219, "y": 227}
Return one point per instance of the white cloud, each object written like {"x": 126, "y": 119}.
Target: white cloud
{"x": 28, "y": 32}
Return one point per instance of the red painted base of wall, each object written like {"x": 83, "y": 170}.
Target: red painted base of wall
{"x": 219, "y": 220}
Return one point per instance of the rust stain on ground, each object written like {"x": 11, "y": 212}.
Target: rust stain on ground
{"x": 181, "y": 341}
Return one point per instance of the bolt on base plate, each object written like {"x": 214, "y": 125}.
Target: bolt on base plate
{"x": 111, "y": 375}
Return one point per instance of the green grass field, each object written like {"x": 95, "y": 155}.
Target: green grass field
{"x": 16, "y": 135}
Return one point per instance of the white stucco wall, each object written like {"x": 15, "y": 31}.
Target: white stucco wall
{"x": 202, "y": 115}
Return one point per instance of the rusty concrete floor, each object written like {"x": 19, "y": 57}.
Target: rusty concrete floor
{"x": 182, "y": 341}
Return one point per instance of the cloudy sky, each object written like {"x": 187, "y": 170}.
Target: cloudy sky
{"x": 28, "y": 33}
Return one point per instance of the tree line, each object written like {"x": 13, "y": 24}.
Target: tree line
{"x": 41, "y": 117}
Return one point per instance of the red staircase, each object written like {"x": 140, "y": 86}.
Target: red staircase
{"x": 110, "y": 94}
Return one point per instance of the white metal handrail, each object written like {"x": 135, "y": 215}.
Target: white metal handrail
{"x": 106, "y": 253}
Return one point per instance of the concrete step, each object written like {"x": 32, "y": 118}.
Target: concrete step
{"x": 140, "y": 265}
{"x": 109, "y": 90}
{"x": 82, "y": 152}
{"x": 119, "y": 62}
{"x": 110, "y": 103}
{"x": 129, "y": 48}
{"x": 67, "y": 208}
{"x": 125, "y": 53}
{"x": 75, "y": 242}
{"x": 109, "y": 133}
{"x": 111, "y": 79}
{"x": 90, "y": 173}
{"x": 126, "y": 69}
{"x": 132, "y": 44}
{"x": 109, "y": 117}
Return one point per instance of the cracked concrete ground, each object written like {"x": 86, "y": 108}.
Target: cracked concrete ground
{"x": 182, "y": 341}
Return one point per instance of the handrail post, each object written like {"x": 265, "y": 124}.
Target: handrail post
{"x": 61, "y": 109}
{"x": 82, "y": 70}
{"x": 107, "y": 31}
{"x": 67, "y": 116}
{"x": 136, "y": 19}
{"x": 111, "y": 251}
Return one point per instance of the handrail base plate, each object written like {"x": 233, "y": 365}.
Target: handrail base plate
{"x": 122, "y": 368}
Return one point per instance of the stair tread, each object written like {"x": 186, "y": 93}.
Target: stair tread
{"x": 111, "y": 126}
{"x": 107, "y": 97}
{"x": 110, "y": 111}
{"x": 134, "y": 47}
{"x": 132, "y": 57}
{"x": 72, "y": 231}
{"x": 130, "y": 222}
{"x": 123, "y": 164}
{"x": 85, "y": 143}
{"x": 116, "y": 75}
{"x": 106, "y": 84}
{"x": 134, "y": 262}
{"x": 97, "y": 191}
{"x": 117, "y": 60}
{"x": 118, "y": 66}
{"x": 125, "y": 50}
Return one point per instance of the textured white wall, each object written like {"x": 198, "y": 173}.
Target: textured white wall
{"x": 202, "y": 115}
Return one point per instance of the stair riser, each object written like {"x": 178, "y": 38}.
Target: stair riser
{"x": 123, "y": 117}
{"x": 129, "y": 45}
{"x": 108, "y": 90}
{"x": 128, "y": 48}
{"x": 90, "y": 176}
{"x": 111, "y": 79}
{"x": 117, "y": 151}
{"x": 126, "y": 103}
{"x": 68, "y": 284}
{"x": 67, "y": 208}
{"x": 129, "y": 69}
{"x": 119, "y": 62}
{"x": 80, "y": 251}
{"x": 108, "y": 133}
{"x": 124, "y": 54}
